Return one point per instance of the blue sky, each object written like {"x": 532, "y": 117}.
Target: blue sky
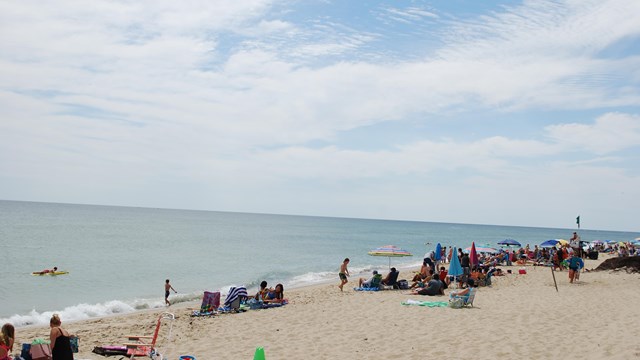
{"x": 514, "y": 113}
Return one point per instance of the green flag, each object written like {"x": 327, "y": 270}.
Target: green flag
{"x": 578, "y": 221}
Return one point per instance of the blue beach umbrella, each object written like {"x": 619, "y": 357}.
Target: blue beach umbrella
{"x": 438, "y": 251}
{"x": 509, "y": 242}
{"x": 455, "y": 269}
{"x": 549, "y": 243}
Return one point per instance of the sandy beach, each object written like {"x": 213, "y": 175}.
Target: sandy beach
{"x": 520, "y": 316}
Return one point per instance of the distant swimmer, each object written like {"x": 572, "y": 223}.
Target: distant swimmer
{"x": 47, "y": 271}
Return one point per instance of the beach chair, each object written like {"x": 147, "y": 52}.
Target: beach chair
{"x": 393, "y": 280}
{"x": 375, "y": 281}
{"x": 145, "y": 345}
{"x": 458, "y": 302}
{"x": 210, "y": 304}
{"x": 233, "y": 299}
{"x": 469, "y": 300}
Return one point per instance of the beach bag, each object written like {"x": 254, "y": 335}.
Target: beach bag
{"x": 403, "y": 285}
{"x": 25, "y": 352}
{"x": 73, "y": 340}
{"x": 456, "y": 303}
{"x": 40, "y": 352}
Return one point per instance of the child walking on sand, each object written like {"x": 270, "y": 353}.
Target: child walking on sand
{"x": 168, "y": 287}
{"x": 344, "y": 272}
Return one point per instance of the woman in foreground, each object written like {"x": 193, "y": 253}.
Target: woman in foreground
{"x": 60, "y": 340}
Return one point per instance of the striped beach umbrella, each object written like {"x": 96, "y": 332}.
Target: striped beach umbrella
{"x": 389, "y": 251}
{"x": 482, "y": 249}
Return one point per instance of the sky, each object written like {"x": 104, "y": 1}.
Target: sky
{"x": 523, "y": 113}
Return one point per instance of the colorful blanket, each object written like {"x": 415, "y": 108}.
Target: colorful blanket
{"x": 426, "y": 303}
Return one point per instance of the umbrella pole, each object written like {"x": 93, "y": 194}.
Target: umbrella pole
{"x": 554, "y": 278}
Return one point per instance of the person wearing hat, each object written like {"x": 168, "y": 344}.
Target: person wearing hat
{"x": 376, "y": 278}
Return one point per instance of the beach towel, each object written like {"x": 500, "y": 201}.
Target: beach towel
{"x": 272, "y": 305}
{"x": 426, "y": 303}
{"x": 110, "y": 350}
{"x": 366, "y": 288}
{"x": 234, "y": 294}
{"x": 210, "y": 301}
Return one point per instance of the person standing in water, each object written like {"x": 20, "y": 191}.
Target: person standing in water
{"x": 344, "y": 273}
{"x": 168, "y": 287}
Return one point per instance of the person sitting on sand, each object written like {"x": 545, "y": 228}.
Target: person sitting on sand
{"x": 420, "y": 283}
{"x": 262, "y": 292}
{"x": 434, "y": 287}
{"x": 464, "y": 293}
{"x": 443, "y": 276}
{"x": 392, "y": 278}
{"x": 424, "y": 272}
{"x": 364, "y": 283}
{"x": 275, "y": 295}
{"x": 7, "y": 337}
{"x": 476, "y": 273}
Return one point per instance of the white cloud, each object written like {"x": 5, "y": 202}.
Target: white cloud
{"x": 611, "y": 132}
{"x": 225, "y": 97}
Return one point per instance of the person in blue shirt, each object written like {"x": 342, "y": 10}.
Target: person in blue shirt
{"x": 575, "y": 264}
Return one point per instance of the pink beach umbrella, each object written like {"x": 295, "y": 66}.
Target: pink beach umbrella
{"x": 473, "y": 255}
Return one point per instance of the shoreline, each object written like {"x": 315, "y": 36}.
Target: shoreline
{"x": 197, "y": 297}
{"x": 519, "y": 314}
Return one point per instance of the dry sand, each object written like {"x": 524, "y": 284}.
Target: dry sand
{"x": 519, "y": 317}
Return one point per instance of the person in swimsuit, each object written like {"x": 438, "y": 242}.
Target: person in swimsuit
{"x": 6, "y": 341}
{"x": 60, "y": 340}
{"x": 260, "y": 295}
{"x": 275, "y": 295}
{"x": 168, "y": 287}
{"x": 344, "y": 273}
{"x": 46, "y": 271}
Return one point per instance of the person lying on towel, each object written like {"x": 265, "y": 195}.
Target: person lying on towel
{"x": 434, "y": 287}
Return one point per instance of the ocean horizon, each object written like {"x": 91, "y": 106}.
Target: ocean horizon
{"x": 119, "y": 257}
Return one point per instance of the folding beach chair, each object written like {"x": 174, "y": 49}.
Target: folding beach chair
{"x": 210, "y": 304}
{"x": 472, "y": 295}
{"x": 233, "y": 299}
{"x": 144, "y": 345}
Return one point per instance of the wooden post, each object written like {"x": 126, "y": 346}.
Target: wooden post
{"x": 554, "y": 278}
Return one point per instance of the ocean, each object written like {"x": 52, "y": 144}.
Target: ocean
{"x": 119, "y": 257}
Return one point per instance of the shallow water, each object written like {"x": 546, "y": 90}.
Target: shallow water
{"x": 119, "y": 257}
